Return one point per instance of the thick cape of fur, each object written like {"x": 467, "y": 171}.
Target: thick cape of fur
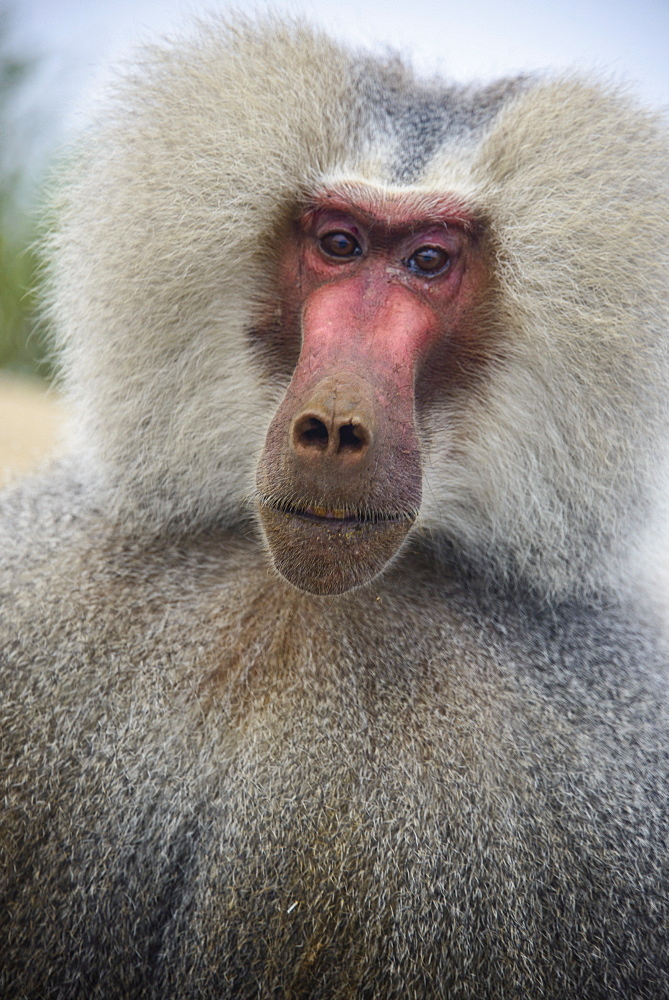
{"x": 215, "y": 787}
{"x": 163, "y": 260}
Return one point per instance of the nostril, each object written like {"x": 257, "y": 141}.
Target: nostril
{"x": 352, "y": 437}
{"x": 315, "y": 435}
{"x": 310, "y": 432}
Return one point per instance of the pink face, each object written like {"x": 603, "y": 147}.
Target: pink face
{"x": 380, "y": 290}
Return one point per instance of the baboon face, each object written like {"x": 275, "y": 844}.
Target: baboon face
{"x": 378, "y": 291}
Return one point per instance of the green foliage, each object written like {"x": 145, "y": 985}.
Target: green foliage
{"x": 22, "y": 343}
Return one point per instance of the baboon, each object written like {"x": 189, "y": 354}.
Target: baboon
{"x": 332, "y": 664}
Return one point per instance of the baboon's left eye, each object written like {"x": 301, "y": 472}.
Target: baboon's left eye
{"x": 429, "y": 260}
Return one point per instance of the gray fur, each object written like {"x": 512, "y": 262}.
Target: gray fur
{"x": 450, "y": 783}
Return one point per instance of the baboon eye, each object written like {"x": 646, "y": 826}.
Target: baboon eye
{"x": 429, "y": 260}
{"x": 341, "y": 245}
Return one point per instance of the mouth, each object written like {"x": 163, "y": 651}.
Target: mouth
{"x": 321, "y": 513}
{"x": 329, "y": 548}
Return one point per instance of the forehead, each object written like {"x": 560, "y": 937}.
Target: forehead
{"x": 390, "y": 206}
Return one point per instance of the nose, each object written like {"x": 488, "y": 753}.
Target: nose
{"x": 336, "y": 423}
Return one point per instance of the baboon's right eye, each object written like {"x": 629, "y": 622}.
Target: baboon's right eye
{"x": 340, "y": 244}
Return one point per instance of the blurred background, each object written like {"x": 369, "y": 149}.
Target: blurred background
{"x": 56, "y": 57}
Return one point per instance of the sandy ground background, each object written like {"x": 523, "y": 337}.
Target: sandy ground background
{"x": 32, "y": 420}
